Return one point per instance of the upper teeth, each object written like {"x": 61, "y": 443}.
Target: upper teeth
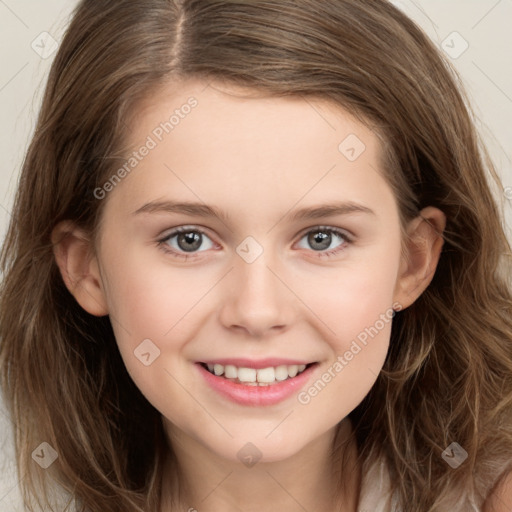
{"x": 265, "y": 375}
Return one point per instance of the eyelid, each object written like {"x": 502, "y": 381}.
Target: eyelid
{"x": 172, "y": 232}
{"x": 344, "y": 234}
{"x": 184, "y": 228}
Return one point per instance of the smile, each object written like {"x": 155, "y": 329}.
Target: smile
{"x": 256, "y": 377}
{"x": 264, "y": 386}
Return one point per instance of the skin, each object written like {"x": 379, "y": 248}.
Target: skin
{"x": 257, "y": 159}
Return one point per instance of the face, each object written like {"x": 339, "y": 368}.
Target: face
{"x": 264, "y": 285}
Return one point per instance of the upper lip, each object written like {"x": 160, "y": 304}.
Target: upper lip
{"x": 241, "y": 362}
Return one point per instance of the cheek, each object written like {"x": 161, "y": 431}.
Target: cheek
{"x": 361, "y": 321}
{"x": 148, "y": 311}
{"x": 353, "y": 298}
{"x": 364, "y": 313}
{"x": 152, "y": 302}
{"x": 355, "y": 309}
{"x": 148, "y": 300}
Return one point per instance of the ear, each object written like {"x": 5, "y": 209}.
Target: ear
{"x": 423, "y": 249}
{"x": 79, "y": 268}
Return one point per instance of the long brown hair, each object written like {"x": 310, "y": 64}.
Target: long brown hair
{"x": 448, "y": 373}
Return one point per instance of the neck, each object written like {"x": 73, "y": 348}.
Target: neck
{"x": 318, "y": 478}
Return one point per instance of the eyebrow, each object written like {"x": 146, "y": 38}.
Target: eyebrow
{"x": 204, "y": 210}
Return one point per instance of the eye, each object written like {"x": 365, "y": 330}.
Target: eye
{"x": 321, "y": 238}
{"x": 187, "y": 241}
{"x": 184, "y": 242}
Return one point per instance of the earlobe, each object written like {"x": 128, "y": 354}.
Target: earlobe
{"x": 79, "y": 267}
{"x": 424, "y": 245}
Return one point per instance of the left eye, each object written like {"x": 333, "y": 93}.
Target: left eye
{"x": 322, "y": 237}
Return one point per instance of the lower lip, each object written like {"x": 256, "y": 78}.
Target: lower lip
{"x": 257, "y": 395}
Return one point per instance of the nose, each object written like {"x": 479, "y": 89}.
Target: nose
{"x": 256, "y": 299}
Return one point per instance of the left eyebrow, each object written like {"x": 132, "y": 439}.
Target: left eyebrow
{"x": 328, "y": 210}
{"x": 203, "y": 210}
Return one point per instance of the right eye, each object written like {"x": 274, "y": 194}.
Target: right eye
{"x": 183, "y": 242}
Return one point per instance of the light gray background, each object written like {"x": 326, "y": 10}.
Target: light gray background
{"x": 26, "y": 55}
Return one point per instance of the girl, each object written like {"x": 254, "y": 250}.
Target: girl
{"x": 255, "y": 263}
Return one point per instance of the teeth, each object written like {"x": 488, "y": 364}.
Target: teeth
{"x": 281, "y": 372}
{"x": 246, "y": 374}
{"x": 292, "y": 370}
{"x": 255, "y": 377}
{"x": 265, "y": 375}
{"x": 230, "y": 372}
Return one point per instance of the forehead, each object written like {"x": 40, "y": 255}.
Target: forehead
{"x": 219, "y": 143}
{"x": 217, "y": 107}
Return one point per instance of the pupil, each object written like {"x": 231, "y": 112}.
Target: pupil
{"x": 190, "y": 238}
{"x": 320, "y": 237}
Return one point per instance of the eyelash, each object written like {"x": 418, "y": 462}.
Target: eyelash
{"x": 325, "y": 229}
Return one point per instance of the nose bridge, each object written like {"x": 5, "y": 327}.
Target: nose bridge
{"x": 258, "y": 300}
{"x": 254, "y": 280}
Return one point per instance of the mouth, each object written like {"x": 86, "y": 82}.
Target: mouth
{"x": 269, "y": 376}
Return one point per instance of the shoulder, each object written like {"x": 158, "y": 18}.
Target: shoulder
{"x": 500, "y": 498}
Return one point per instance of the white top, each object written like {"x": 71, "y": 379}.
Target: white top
{"x": 376, "y": 494}
{"x": 375, "y": 490}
